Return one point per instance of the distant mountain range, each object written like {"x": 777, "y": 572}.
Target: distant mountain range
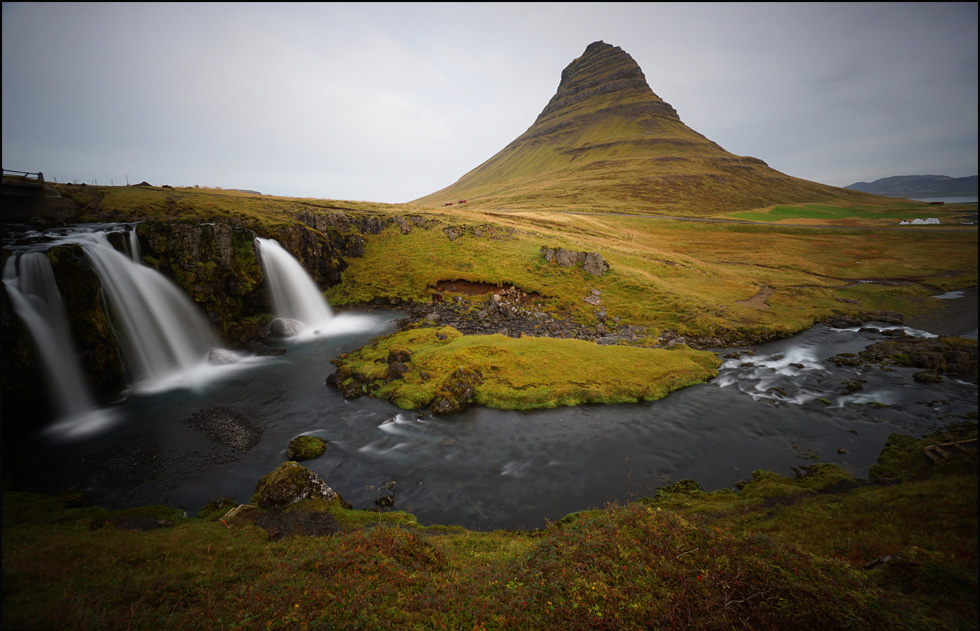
{"x": 919, "y": 186}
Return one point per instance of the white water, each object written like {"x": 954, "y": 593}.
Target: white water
{"x": 161, "y": 333}
{"x": 163, "y": 338}
{"x": 293, "y": 293}
{"x": 34, "y": 294}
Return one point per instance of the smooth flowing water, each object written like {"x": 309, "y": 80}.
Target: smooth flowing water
{"x": 30, "y": 283}
{"x": 781, "y": 408}
{"x": 293, "y": 293}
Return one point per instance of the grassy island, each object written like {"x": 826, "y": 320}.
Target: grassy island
{"x": 518, "y": 373}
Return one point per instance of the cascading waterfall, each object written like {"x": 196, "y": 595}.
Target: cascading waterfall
{"x": 293, "y": 293}
{"x": 34, "y": 294}
{"x": 161, "y": 332}
{"x": 134, "y": 246}
{"x": 164, "y": 340}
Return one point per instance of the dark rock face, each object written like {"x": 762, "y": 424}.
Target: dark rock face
{"x": 215, "y": 264}
{"x": 603, "y": 69}
{"x": 227, "y": 426}
{"x": 291, "y": 483}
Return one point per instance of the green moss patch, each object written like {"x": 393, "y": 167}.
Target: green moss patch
{"x": 517, "y": 373}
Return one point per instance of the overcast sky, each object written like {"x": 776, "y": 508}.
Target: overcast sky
{"x": 391, "y": 102}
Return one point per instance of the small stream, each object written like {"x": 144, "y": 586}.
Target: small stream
{"x": 778, "y": 407}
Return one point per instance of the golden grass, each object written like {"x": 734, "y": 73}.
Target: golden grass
{"x": 529, "y": 372}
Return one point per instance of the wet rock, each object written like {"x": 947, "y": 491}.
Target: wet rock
{"x": 221, "y": 357}
{"x": 352, "y": 390}
{"x": 290, "y": 483}
{"x": 940, "y": 355}
{"x": 305, "y": 448}
{"x": 227, "y": 426}
{"x": 928, "y": 376}
{"x": 456, "y": 392}
{"x": 284, "y": 327}
{"x": 854, "y": 385}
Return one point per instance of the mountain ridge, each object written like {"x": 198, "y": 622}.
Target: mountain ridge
{"x": 606, "y": 141}
{"x": 919, "y": 186}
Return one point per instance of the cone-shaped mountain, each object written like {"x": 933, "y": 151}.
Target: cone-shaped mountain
{"x": 605, "y": 141}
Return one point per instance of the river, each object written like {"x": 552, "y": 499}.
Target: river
{"x": 779, "y": 407}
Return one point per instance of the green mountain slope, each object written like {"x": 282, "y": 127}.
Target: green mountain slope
{"x": 605, "y": 141}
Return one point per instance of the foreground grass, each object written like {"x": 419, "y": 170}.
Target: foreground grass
{"x": 524, "y": 373}
{"x": 782, "y": 553}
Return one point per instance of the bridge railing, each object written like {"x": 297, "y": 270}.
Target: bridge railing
{"x": 23, "y": 178}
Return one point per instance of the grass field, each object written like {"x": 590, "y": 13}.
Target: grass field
{"x": 856, "y": 216}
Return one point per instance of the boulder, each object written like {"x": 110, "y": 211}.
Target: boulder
{"x": 456, "y": 392}
{"x": 396, "y": 371}
{"x": 594, "y": 298}
{"x": 591, "y": 262}
{"x": 595, "y": 264}
{"x": 221, "y": 357}
{"x": 567, "y": 258}
{"x": 399, "y": 354}
{"x": 290, "y": 483}
{"x": 284, "y": 327}
{"x": 305, "y": 448}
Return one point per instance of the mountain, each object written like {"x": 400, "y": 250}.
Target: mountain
{"x": 919, "y": 186}
{"x": 606, "y": 142}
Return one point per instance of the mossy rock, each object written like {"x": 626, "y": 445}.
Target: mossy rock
{"x": 305, "y": 448}
{"x": 682, "y": 487}
{"x": 216, "y": 508}
{"x": 290, "y": 483}
{"x": 456, "y": 392}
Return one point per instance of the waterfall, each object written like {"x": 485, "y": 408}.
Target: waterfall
{"x": 293, "y": 293}
{"x": 164, "y": 340}
{"x": 134, "y": 246}
{"x": 161, "y": 332}
{"x": 34, "y": 295}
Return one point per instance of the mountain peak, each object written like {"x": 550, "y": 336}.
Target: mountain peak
{"x": 605, "y": 141}
{"x": 602, "y": 70}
